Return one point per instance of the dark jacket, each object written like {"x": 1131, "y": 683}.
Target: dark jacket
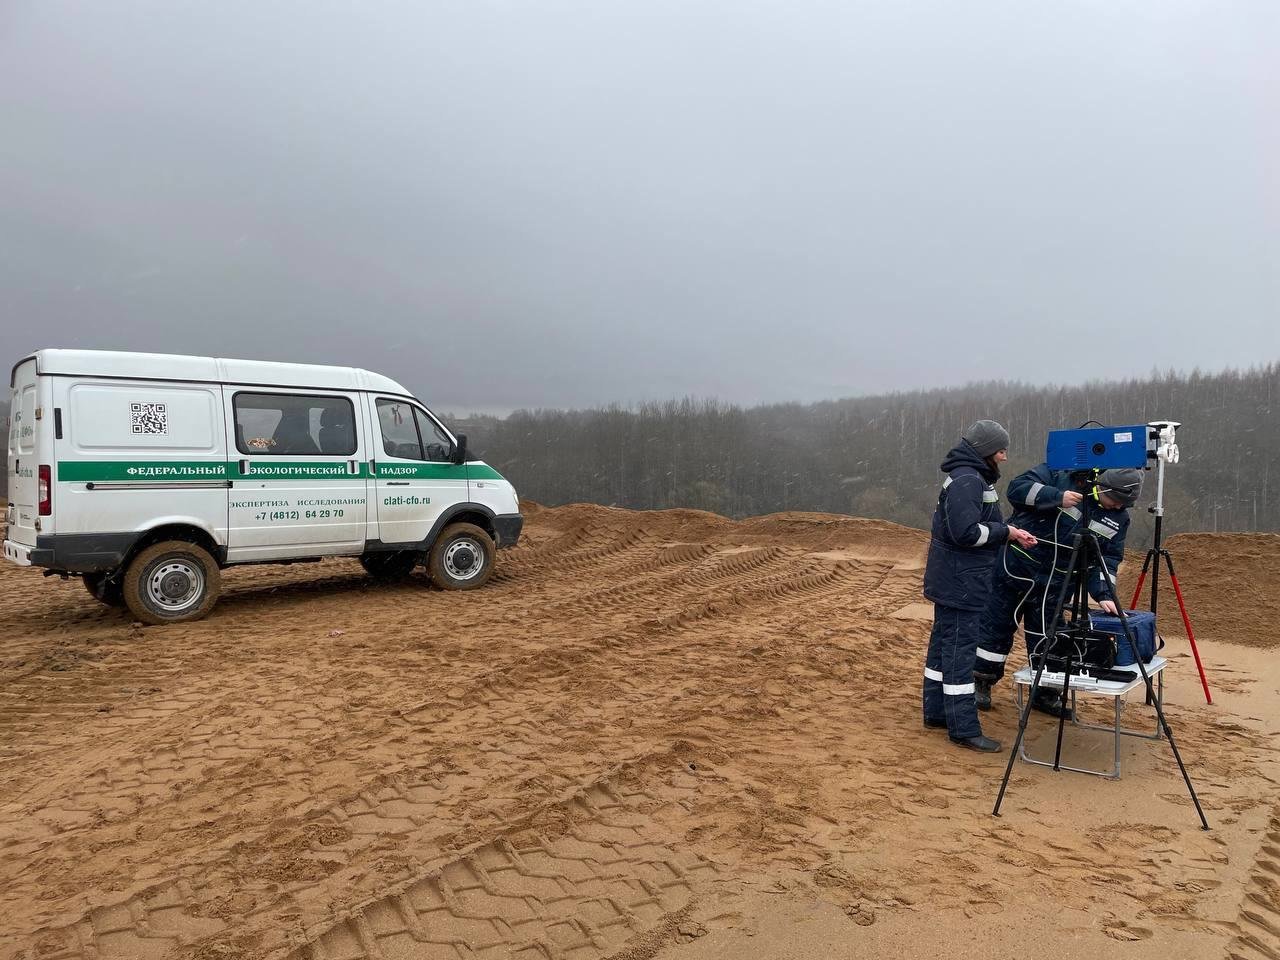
{"x": 967, "y": 529}
{"x": 1036, "y": 497}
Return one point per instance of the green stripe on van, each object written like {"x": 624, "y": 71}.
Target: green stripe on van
{"x": 101, "y": 471}
{"x": 294, "y": 470}
{"x": 170, "y": 471}
{"x": 424, "y": 471}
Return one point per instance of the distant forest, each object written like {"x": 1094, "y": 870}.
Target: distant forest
{"x": 878, "y": 456}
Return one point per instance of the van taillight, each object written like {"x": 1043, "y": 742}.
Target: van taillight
{"x": 46, "y": 490}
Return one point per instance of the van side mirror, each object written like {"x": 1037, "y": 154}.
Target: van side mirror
{"x": 460, "y": 449}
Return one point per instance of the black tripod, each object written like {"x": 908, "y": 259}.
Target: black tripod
{"x": 1068, "y": 642}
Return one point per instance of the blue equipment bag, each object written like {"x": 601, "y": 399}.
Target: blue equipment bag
{"x": 1142, "y": 624}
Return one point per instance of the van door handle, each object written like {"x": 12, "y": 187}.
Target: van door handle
{"x": 397, "y": 483}
{"x": 244, "y": 468}
{"x": 351, "y": 467}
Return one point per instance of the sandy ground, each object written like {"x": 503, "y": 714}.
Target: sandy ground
{"x": 653, "y": 735}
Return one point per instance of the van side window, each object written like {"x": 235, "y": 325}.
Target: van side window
{"x": 399, "y": 431}
{"x": 289, "y": 425}
{"x": 435, "y": 440}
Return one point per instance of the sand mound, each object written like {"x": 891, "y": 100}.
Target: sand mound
{"x": 653, "y": 734}
{"x": 1231, "y": 585}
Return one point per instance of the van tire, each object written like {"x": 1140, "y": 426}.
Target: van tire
{"x": 390, "y": 567}
{"x": 171, "y": 582}
{"x": 462, "y": 557}
{"x": 104, "y": 588}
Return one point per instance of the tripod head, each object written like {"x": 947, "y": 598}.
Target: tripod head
{"x": 1163, "y": 448}
{"x": 1164, "y": 438}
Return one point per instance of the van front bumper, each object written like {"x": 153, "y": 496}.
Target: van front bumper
{"x": 27, "y": 556}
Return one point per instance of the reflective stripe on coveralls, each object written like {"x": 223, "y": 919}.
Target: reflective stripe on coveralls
{"x": 948, "y": 689}
{"x": 989, "y": 494}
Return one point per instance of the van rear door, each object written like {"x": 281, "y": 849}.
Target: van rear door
{"x": 24, "y": 468}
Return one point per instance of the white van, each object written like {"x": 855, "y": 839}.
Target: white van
{"x": 146, "y": 474}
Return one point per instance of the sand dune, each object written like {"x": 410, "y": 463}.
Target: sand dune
{"x": 653, "y": 735}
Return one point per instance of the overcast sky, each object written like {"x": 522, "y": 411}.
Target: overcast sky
{"x": 541, "y": 203}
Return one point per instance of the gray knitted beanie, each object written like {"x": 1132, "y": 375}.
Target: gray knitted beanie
{"x": 987, "y": 437}
{"x": 1123, "y": 484}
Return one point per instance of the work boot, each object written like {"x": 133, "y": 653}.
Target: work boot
{"x": 1051, "y": 703}
{"x": 935, "y": 724}
{"x": 982, "y": 693}
{"x": 980, "y": 743}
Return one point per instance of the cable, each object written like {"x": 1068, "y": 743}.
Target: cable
{"x": 1044, "y": 600}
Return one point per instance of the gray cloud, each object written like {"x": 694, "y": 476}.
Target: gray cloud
{"x": 554, "y": 203}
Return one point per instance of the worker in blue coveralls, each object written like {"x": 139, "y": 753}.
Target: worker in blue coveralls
{"x": 967, "y": 528}
{"x": 1026, "y": 580}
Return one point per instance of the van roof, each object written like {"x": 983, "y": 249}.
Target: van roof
{"x": 165, "y": 366}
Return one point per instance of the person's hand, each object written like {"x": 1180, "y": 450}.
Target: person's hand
{"x": 1071, "y": 498}
{"x": 1108, "y": 606}
{"x": 1020, "y": 537}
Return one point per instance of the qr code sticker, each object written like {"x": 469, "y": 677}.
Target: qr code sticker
{"x": 149, "y": 418}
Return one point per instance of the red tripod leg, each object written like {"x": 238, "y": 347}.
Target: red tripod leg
{"x": 1186, "y": 622}
{"x": 1137, "y": 591}
{"x": 1142, "y": 578}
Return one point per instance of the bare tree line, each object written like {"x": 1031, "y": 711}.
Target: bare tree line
{"x": 878, "y": 456}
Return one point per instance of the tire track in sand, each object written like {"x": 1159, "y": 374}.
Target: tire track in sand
{"x": 1259, "y": 920}
{"x": 490, "y": 698}
{"x": 576, "y": 877}
{"x": 576, "y": 884}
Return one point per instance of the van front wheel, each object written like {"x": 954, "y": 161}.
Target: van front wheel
{"x": 171, "y": 582}
{"x": 462, "y": 558}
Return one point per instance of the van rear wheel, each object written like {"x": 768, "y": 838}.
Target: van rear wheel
{"x": 462, "y": 558}
{"x": 388, "y": 567}
{"x": 171, "y": 582}
{"x": 104, "y": 588}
